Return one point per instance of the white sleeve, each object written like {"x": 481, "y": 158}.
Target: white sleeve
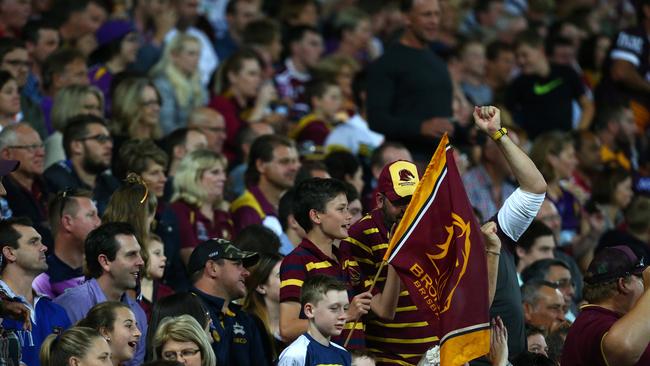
{"x": 518, "y": 211}
{"x": 295, "y": 354}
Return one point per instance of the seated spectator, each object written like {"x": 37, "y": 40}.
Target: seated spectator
{"x": 63, "y": 67}
{"x": 78, "y": 19}
{"x": 181, "y": 142}
{"x": 354, "y": 203}
{"x": 238, "y": 14}
{"x": 117, "y": 48}
{"x": 262, "y": 302}
{"x": 305, "y": 47}
{"x": 264, "y": 36}
{"x": 152, "y": 20}
{"x": 27, "y": 192}
{"x": 241, "y": 97}
{"x": 384, "y": 154}
{"x": 178, "y": 81}
{"x": 72, "y": 215}
{"x": 352, "y": 28}
{"x": 616, "y": 130}
{"x": 558, "y": 272}
{"x": 89, "y": 150}
{"x": 135, "y": 111}
{"x": 178, "y": 304}
{"x": 612, "y": 329}
{"x": 554, "y": 155}
{"x": 311, "y": 131}
{"x": 346, "y": 167}
{"x": 535, "y": 243}
{"x": 324, "y": 301}
{"x": 542, "y": 84}
{"x": 151, "y": 287}
{"x": 218, "y": 270}
{"x": 118, "y": 325}
{"x": 637, "y": 234}
{"x": 183, "y": 338}
{"x": 612, "y": 195}
{"x": 292, "y": 232}
{"x": 587, "y": 147}
{"x": 473, "y": 79}
{"x": 145, "y": 158}
{"x": 212, "y": 124}
{"x": 23, "y": 258}
{"x": 536, "y": 340}
{"x": 69, "y": 102}
{"x": 9, "y": 100}
{"x": 75, "y": 346}
{"x": 272, "y": 167}
{"x": 311, "y": 169}
{"x": 112, "y": 264}
{"x": 499, "y": 68}
{"x": 14, "y": 59}
{"x": 198, "y": 200}
{"x": 132, "y": 203}
{"x": 257, "y": 238}
{"x": 543, "y": 305}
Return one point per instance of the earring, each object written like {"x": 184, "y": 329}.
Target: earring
{"x": 108, "y": 339}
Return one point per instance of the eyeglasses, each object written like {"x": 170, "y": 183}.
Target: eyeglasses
{"x": 148, "y": 103}
{"x": 31, "y": 148}
{"x": 185, "y": 353}
{"x": 564, "y": 283}
{"x": 101, "y": 138}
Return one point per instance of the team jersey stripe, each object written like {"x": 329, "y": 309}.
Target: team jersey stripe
{"x": 400, "y": 325}
{"x": 406, "y": 308}
{"x": 317, "y": 265}
{"x": 379, "y": 247}
{"x": 372, "y": 230}
{"x": 354, "y": 241}
{"x": 402, "y": 341}
{"x": 291, "y": 282}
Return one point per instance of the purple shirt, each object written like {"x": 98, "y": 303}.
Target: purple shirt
{"x": 58, "y": 277}
{"x": 77, "y": 302}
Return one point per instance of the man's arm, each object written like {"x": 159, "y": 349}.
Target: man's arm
{"x": 291, "y": 326}
{"x": 625, "y": 72}
{"x": 488, "y": 120}
{"x": 384, "y": 303}
{"x": 588, "y": 111}
{"x": 628, "y": 338}
{"x": 492, "y": 252}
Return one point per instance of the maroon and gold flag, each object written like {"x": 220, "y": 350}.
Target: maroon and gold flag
{"x": 438, "y": 251}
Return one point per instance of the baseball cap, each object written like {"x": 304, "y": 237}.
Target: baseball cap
{"x": 613, "y": 262}
{"x": 214, "y": 249}
{"x": 8, "y": 166}
{"x": 398, "y": 180}
{"x": 113, "y": 30}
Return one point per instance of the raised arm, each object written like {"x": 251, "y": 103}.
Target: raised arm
{"x": 384, "y": 304}
{"x": 492, "y": 252}
{"x": 488, "y": 120}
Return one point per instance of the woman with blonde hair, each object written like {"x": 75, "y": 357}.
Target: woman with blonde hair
{"x": 71, "y": 101}
{"x": 262, "y": 301}
{"x": 198, "y": 200}
{"x": 177, "y": 78}
{"x": 182, "y": 337}
{"x": 77, "y": 346}
{"x": 136, "y": 110}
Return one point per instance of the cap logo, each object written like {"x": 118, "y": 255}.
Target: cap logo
{"x": 404, "y": 176}
{"x": 213, "y": 254}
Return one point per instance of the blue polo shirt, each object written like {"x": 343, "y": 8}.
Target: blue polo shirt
{"x": 306, "y": 351}
{"x": 237, "y": 340}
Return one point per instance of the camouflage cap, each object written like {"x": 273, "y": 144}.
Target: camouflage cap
{"x": 398, "y": 180}
{"x": 214, "y": 249}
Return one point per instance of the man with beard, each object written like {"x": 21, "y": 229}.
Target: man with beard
{"x": 89, "y": 148}
{"x": 22, "y": 258}
{"x": 272, "y": 167}
{"x": 112, "y": 265}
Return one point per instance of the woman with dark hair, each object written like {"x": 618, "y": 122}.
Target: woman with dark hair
{"x": 117, "y": 324}
{"x": 241, "y": 95}
{"x": 262, "y": 301}
{"x": 612, "y": 195}
{"x": 9, "y": 99}
{"x": 117, "y": 48}
{"x": 344, "y": 166}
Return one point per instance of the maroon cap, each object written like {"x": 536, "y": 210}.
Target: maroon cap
{"x": 8, "y": 166}
{"x": 398, "y": 180}
{"x": 613, "y": 262}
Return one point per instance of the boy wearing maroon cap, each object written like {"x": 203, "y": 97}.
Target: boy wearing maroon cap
{"x": 320, "y": 207}
{"x": 613, "y": 329}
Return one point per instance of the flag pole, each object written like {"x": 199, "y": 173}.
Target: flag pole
{"x": 372, "y": 286}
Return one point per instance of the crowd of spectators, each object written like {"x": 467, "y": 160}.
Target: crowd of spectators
{"x": 173, "y": 171}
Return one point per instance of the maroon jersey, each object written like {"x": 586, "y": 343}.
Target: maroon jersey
{"x": 290, "y": 84}
{"x": 194, "y": 227}
{"x": 252, "y": 208}
{"x": 311, "y": 128}
{"x": 307, "y": 260}
{"x": 408, "y": 336}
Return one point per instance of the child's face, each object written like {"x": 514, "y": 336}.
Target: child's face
{"x": 335, "y": 221}
{"x": 157, "y": 260}
{"x": 328, "y": 313}
{"x": 362, "y": 361}
{"x": 330, "y": 102}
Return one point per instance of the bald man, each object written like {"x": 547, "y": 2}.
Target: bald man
{"x": 212, "y": 124}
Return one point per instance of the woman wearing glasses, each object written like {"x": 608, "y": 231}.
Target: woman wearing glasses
{"x": 182, "y": 339}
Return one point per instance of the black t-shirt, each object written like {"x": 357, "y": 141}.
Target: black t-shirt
{"x": 407, "y": 86}
{"x": 540, "y": 104}
{"x": 631, "y": 45}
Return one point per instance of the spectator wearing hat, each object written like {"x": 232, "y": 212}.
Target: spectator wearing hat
{"x": 118, "y": 46}
{"x": 613, "y": 328}
{"x": 218, "y": 271}
{"x": 112, "y": 265}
